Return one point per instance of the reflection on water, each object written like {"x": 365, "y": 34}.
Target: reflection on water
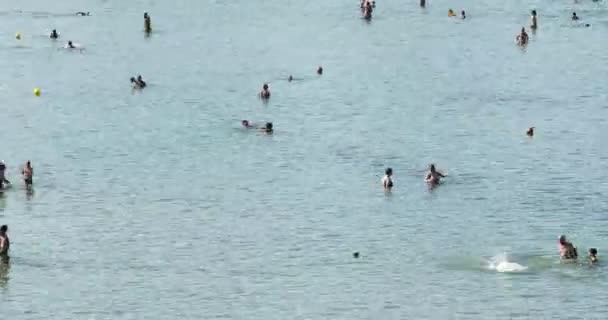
{"x": 5, "y": 267}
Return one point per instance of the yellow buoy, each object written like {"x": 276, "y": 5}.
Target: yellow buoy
{"x": 37, "y": 92}
{"x": 18, "y": 36}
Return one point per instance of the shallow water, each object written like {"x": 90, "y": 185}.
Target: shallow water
{"x": 156, "y": 204}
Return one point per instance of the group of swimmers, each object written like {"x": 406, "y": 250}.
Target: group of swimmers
{"x": 432, "y": 178}
{"x": 451, "y": 13}
{"x": 569, "y": 254}
{"x": 27, "y": 172}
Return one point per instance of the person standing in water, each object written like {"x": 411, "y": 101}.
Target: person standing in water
{"x": 533, "y": 23}
{"x": 3, "y": 180}
{"x": 28, "y": 174}
{"x": 147, "y": 23}
{"x": 567, "y": 251}
{"x": 463, "y": 15}
{"x": 434, "y": 177}
{"x": 422, "y": 3}
{"x": 367, "y": 13}
{"x": 522, "y": 38}
{"x": 5, "y": 243}
{"x": 574, "y": 16}
{"x": 54, "y": 34}
{"x": 265, "y": 93}
{"x": 387, "y": 181}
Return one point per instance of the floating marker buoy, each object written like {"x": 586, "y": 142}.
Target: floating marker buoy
{"x": 18, "y": 36}
{"x": 37, "y": 92}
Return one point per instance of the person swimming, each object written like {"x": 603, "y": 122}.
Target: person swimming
{"x": 147, "y": 23}
{"x": 265, "y": 93}
{"x": 367, "y": 13}
{"x": 320, "y": 70}
{"x": 141, "y": 81}
{"x": 3, "y": 180}
{"x": 82, "y": 14}
{"x": 567, "y": 251}
{"x": 593, "y": 256}
{"x": 574, "y": 16}
{"x": 522, "y": 37}
{"x": 533, "y": 24}
{"x": 54, "y": 34}
{"x": 5, "y": 243}
{"x": 70, "y": 45}
{"x": 463, "y": 15}
{"x": 422, "y": 3}
{"x": 135, "y": 83}
{"x": 387, "y": 181}
{"x": 434, "y": 177}
{"x": 290, "y": 79}
{"x": 451, "y": 13}
{"x": 246, "y": 124}
{"x": 268, "y": 128}
{"x": 530, "y": 132}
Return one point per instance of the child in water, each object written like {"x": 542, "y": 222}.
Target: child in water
{"x": 593, "y": 256}
{"x": 387, "y": 181}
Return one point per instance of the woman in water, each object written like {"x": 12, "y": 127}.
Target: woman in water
{"x": 267, "y": 129}
{"x": 533, "y": 23}
{"x": 522, "y": 37}
{"x": 434, "y": 177}
{"x": 28, "y": 174}
{"x": 387, "y": 181}
{"x": 265, "y": 93}
{"x": 367, "y": 13}
{"x": 567, "y": 251}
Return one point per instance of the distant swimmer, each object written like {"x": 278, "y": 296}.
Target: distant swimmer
{"x": 522, "y": 37}
{"x": 147, "y": 23}
{"x": 567, "y": 251}
{"x": 135, "y": 83}
{"x": 530, "y": 132}
{"x": 5, "y": 243}
{"x": 593, "y": 256}
{"x": 463, "y": 15}
{"x": 70, "y": 45}
{"x": 54, "y": 34}
{"x": 28, "y": 174}
{"x": 367, "y": 13}
{"x": 290, "y": 79}
{"x": 387, "y": 181}
{"x": 246, "y": 124}
{"x": 373, "y": 4}
{"x": 3, "y": 181}
{"x": 268, "y": 129}
{"x": 451, "y": 13}
{"x": 574, "y": 16}
{"x": 434, "y": 177}
{"x": 533, "y": 23}
{"x": 82, "y": 14}
{"x": 422, "y": 3}
{"x": 265, "y": 93}
{"x": 356, "y": 255}
{"x": 320, "y": 70}
{"x": 141, "y": 81}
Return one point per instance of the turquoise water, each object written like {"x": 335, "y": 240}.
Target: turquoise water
{"x": 156, "y": 204}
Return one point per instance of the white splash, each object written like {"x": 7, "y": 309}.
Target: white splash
{"x": 501, "y": 263}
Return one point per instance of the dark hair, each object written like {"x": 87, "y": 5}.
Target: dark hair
{"x": 4, "y": 228}
{"x": 265, "y": 86}
{"x": 388, "y": 171}
{"x": 593, "y": 251}
{"x": 269, "y": 125}
{"x": 245, "y": 122}
{"x": 533, "y": 12}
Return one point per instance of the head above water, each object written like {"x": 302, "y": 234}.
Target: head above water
{"x": 132, "y": 79}
{"x": 389, "y": 171}
{"x": 593, "y": 251}
{"x": 268, "y": 125}
{"x": 265, "y": 86}
{"x": 432, "y": 167}
{"x": 245, "y": 123}
{"x": 320, "y": 68}
{"x": 290, "y": 78}
{"x": 534, "y": 13}
{"x": 4, "y": 229}
{"x": 562, "y": 239}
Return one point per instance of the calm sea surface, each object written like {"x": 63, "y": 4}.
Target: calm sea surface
{"x": 157, "y": 205}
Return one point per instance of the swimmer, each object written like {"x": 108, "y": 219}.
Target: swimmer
{"x": 463, "y": 15}
{"x": 533, "y": 24}
{"x": 3, "y": 180}
{"x": 141, "y": 81}
{"x": 567, "y": 251}
{"x": 267, "y": 128}
{"x": 387, "y": 181}
{"x": 290, "y": 79}
{"x": 433, "y": 177}
{"x": 5, "y": 243}
{"x": 71, "y": 45}
{"x": 54, "y": 34}
{"x": 82, "y": 14}
{"x": 530, "y": 132}
{"x": 574, "y": 16}
{"x": 422, "y": 3}
{"x": 522, "y": 38}
{"x": 147, "y": 23}
{"x": 451, "y": 13}
{"x": 367, "y": 14}
{"x": 246, "y": 124}
{"x": 320, "y": 70}
{"x": 265, "y": 93}
{"x": 593, "y": 256}
{"x": 135, "y": 84}
{"x": 356, "y": 255}
{"x": 28, "y": 174}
